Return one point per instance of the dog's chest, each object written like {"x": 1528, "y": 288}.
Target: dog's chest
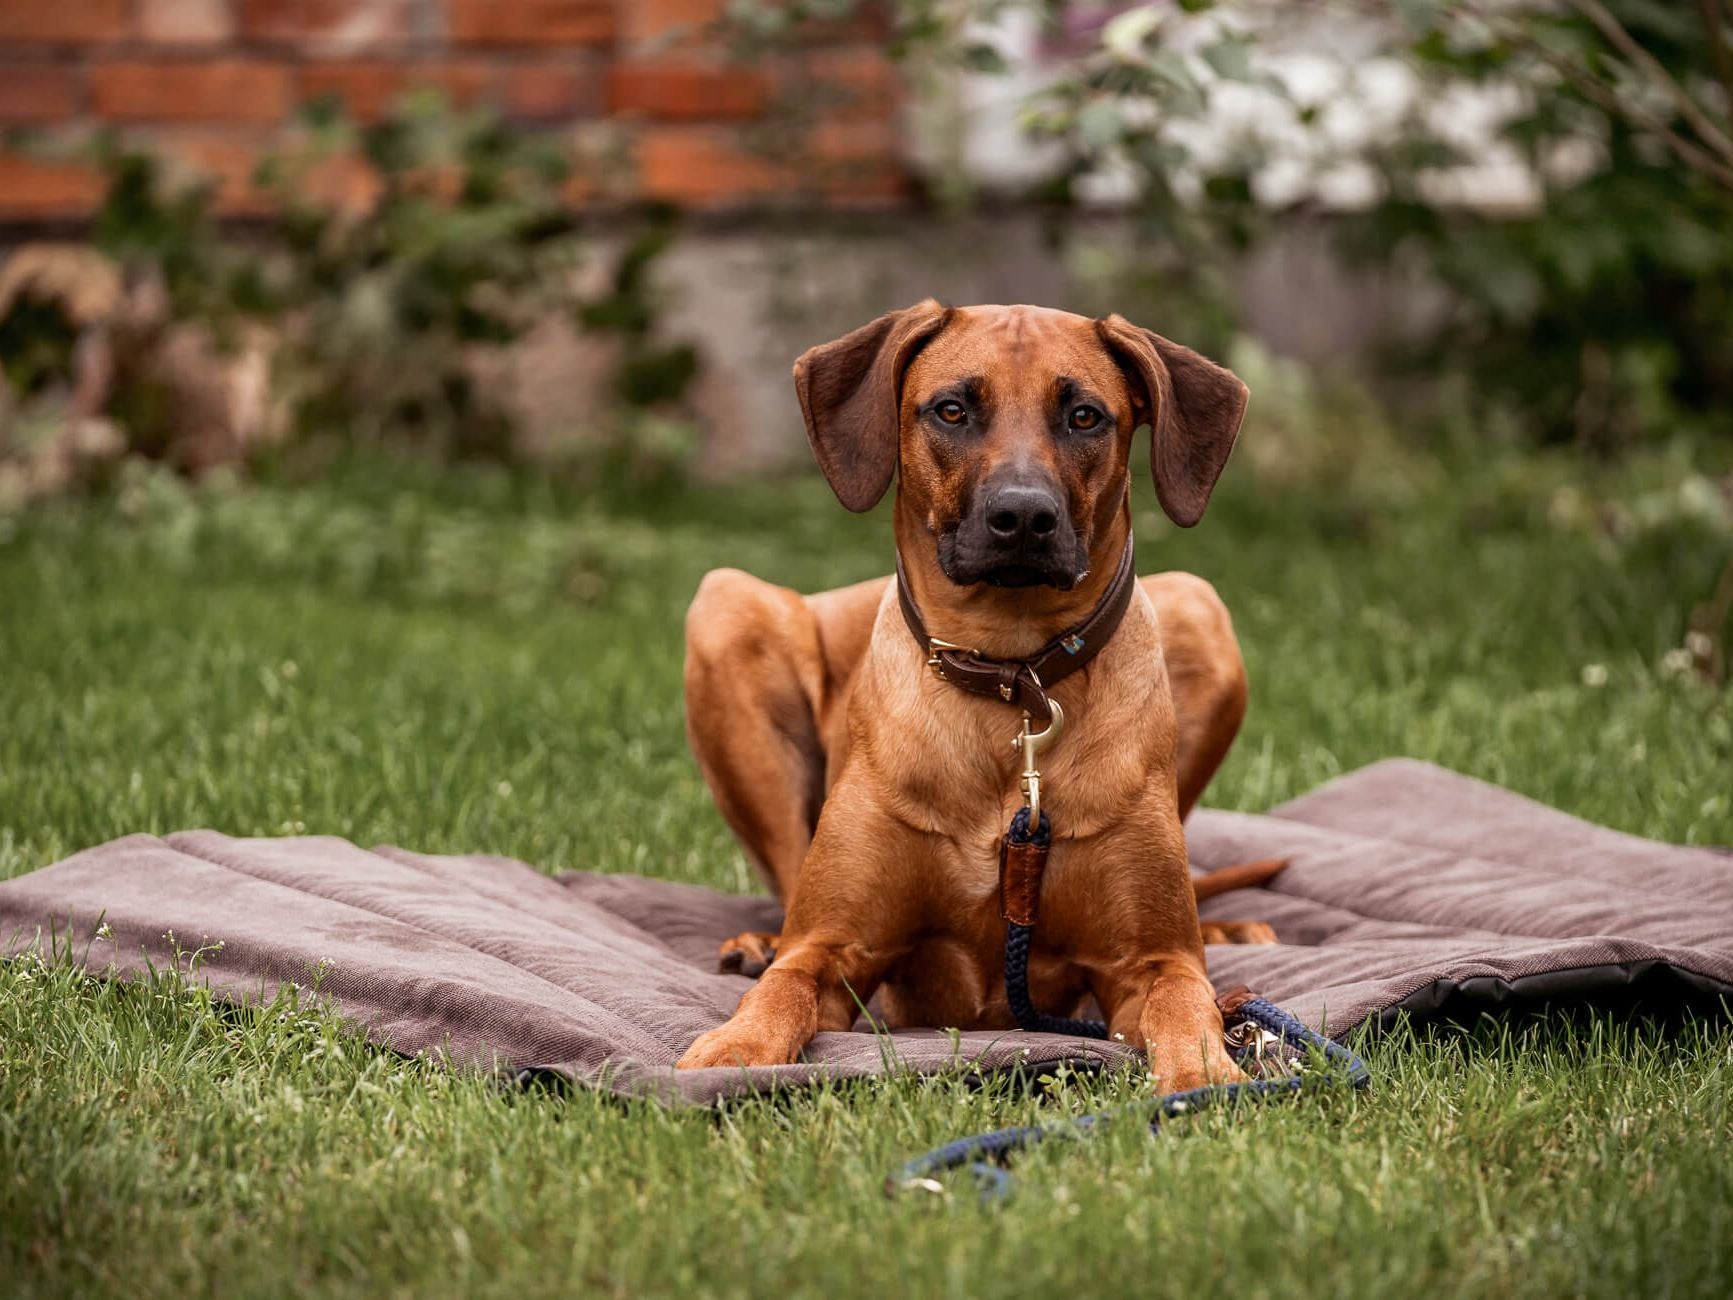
{"x": 955, "y": 980}
{"x": 952, "y": 974}
{"x": 946, "y": 764}
{"x": 963, "y": 783}
{"x": 949, "y": 760}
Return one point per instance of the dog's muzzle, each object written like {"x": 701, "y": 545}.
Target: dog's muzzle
{"x": 1019, "y": 535}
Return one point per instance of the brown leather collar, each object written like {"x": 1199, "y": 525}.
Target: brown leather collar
{"x": 1025, "y": 682}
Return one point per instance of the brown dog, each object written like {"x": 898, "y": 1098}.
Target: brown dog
{"x": 874, "y": 796}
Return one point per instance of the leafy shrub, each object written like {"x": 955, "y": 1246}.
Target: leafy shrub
{"x": 466, "y": 246}
{"x": 1603, "y": 315}
{"x": 1600, "y": 311}
{"x": 389, "y": 263}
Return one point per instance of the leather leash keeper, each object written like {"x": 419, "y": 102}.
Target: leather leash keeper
{"x": 1022, "y": 862}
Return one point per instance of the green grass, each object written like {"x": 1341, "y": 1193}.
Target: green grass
{"x": 461, "y": 661}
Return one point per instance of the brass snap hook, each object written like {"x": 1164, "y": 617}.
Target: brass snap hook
{"x": 1031, "y": 743}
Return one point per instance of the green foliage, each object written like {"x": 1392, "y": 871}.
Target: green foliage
{"x": 650, "y": 372}
{"x": 150, "y": 226}
{"x": 380, "y": 310}
{"x": 467, "y": 246}
{"x": 37, "y": 339}
{"x": 1604, "y": 315}
{"x": 1600, "y": 312}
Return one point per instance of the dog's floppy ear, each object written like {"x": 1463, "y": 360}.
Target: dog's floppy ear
{"x": 850, "y": 393}
{"x": 1194, "y": 408}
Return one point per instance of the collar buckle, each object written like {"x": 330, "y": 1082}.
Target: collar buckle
{"x": 934, "y": 660}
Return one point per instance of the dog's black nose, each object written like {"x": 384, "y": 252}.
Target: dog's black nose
{"x": 1020, "y": 513}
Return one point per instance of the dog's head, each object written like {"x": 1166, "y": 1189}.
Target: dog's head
{"x": 1012, "y": 430}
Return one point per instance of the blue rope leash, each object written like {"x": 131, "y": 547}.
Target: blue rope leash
{"x": 980, "y": 1152}
{"x": 1017, "y": 941}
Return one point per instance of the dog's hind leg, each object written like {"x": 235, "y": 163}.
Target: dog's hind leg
{"x": 754, "y": 674}
{"x": 1237, "y": 932}
{"x": 1205, "y": 672}
{"x": 765, "y": 671}
{"x": 1208, "y": 680}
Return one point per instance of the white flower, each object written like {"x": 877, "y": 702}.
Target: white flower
{"x": 1679, "y": 663}
{"x": 1594, "y": 675}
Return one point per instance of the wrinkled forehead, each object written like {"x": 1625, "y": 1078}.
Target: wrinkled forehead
{"x": 1016, "y": 354}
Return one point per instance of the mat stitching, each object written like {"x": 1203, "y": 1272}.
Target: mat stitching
{"x": 413, "y": 925}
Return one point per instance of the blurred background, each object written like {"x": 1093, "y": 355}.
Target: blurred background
{"x": 482, "y": 312}
{"x": 539, "y": 229}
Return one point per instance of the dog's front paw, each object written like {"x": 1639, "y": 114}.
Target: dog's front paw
{"x": 732, "y": 1046}
{"x": 1180, "y": 1067}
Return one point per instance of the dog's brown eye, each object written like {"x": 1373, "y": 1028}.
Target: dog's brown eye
{"x": 1085, "y": 418}
{"x": 950, "y": 412}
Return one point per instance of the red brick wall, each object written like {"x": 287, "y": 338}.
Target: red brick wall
{"x": 210, "y": 83}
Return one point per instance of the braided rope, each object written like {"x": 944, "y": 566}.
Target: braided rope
{"x": 1017, "y": 941}
{"x": 979, "y": 1152}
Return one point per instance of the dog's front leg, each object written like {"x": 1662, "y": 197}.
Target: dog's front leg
{"x": 854, "y": 907}
{"x": 1151, "y": 981}
{"x": 813, "y": 985}
{"x": 1169, "y": 1009}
